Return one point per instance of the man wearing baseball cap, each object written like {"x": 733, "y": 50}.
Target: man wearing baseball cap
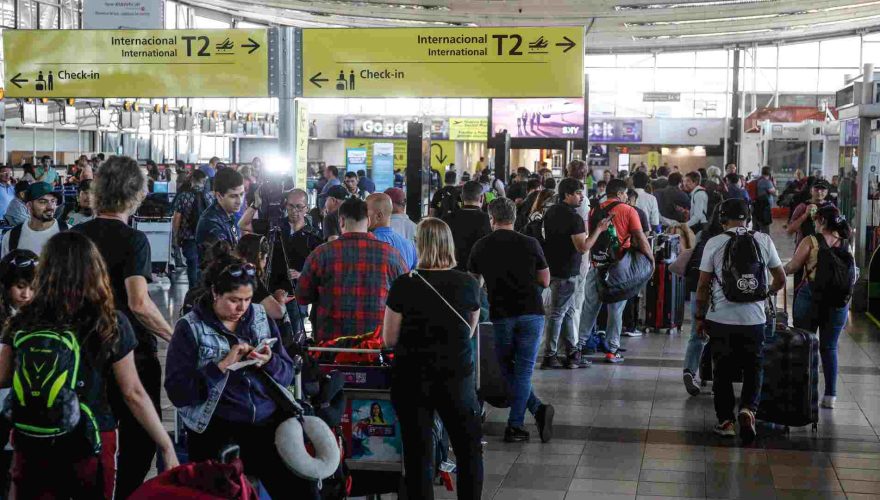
{"x": 41, "y": 201}
{"x": 335, "y": 196}
{"x": 802, "y": 224}
{"x": 400, "y": 222}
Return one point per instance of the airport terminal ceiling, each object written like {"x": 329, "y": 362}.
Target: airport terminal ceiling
{"x": 612, "y": 25}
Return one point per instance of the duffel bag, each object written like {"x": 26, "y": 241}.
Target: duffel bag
{"x": 623, "y": 279}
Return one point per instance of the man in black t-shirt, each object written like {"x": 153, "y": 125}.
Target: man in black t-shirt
{"x": 517, "y": 189}
{"x": 446, "y": 199}
{"x": 469, "y": 224}
{"x": 120, "y": 188}
{"x": 566, "y": 241}
{"x": 515, "y": 271}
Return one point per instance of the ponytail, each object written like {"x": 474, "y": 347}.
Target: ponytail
{"x": 835, "y": 221}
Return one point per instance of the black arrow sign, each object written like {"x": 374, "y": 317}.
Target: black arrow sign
{"x": 315, "y": 80}
{"x": 18, "y": 81}
{"x": 569, "y": 44}
{"x": 253, "y": 45}
{"x": 441, "y": 158}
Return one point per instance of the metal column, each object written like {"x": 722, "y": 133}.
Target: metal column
{"x": 863, "y": 209}
{"x": 418, "y": 168}
{"x": 734, "y": 126}
{"x": 283, "y": 52}
{"x": 502, "y": 155}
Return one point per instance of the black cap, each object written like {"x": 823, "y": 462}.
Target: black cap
{"x": 338, "y": 192}
{"x": 734, "y": 209}
{"x": 822, "y": 184}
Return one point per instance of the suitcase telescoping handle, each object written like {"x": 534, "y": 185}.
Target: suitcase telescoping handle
{"x": 350, "y": 350}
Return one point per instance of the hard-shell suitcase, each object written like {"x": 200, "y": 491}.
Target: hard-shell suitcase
{"x": 790, "y": 392}
{"x": 664, "y": 299}
{"x": 492, "y": 386}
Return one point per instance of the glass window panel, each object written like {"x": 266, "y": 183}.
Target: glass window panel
{"x": 7, "y": 13}
{"x": 710, "y": 80}
{"x": 766, "y": 80}
{"x": 675, "y": 60}
{"x": 798, "y": 80}
{"x": 831, "y": 80}
{"x": 246, "y": 24}
{"x": 49, "y": 17}
{"x": 635, "y": 61}
{"x": 27, "y": 14}
{"x": 678, "y": 80}
{"x": 870, "y": 53}
{"x": 602, "y": 104}
{"x": 453, "y": 107}
{"x": 712, "y": 59}
{"x": 682, "y": 109}
{"x": 430, "y": 106}
{"x": 600, "y": 61}
{"x": 402, "y": 106}
{"x": 839, "y": 52}
{"x": 710, "y": 105}
{"x": 872, "y": 37}
{"x": 206, "y": 22}
{"x": 603, "y": 79}
{"x": 634, "y": 80}
{"x": 767, "y": 57}
{"x": 630, "y": 104}
{"x": 170, "y": 15}
{"x": 800, "y": 55}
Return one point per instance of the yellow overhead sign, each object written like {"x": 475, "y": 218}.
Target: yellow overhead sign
{"x": 468, "y": 129}
{"x": 443, "y": 62}
{"x": 136, "y": 63}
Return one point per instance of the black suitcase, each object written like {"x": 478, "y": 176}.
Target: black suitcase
{"x": 664, "y": 299}
{"x": 667, "y": 247}
{"x": 492, "y": 386}
{"x": 790, "y": 392}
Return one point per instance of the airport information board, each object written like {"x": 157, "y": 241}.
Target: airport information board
{"x": 443, "y": 62}
{"x": 136, "y": 63}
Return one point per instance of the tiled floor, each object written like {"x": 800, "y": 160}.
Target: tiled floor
{"x": 630, "y": 431}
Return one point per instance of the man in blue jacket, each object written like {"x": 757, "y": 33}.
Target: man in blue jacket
{"x": 217, "y": 223}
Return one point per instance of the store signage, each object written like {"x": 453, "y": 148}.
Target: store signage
{"x": 615, "y": 130}
{"x": 539, "y": 118}
{"x": 387, "y": 127}
{"x": 851, "y": 129}
{"x": 443, "y": 62}
{"x": 136, "y": 63}
{"x": 468, "y": 129}
{"x": 302, "y": 145}
{"x": 125, "y": 14}
{"x": 355, "y": 159}
{"x": 661, "y": 97}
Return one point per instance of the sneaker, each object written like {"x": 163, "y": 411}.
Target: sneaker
{"x": 544, "y": 419}
{"x": 634, "y": 333}
{"x": 515, "y": 435}
{"x": 725, "y": 429}
{"x": 690, "y": 383}
{"x": 828, "y": 401}
{"x": 613, "y": 357}
{"x": 551, "y": 363}
{"x": 746, "y": 424}
{"x": 575, "y": 361}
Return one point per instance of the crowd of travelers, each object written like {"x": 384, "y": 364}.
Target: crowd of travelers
{"x": 531, "y": 256}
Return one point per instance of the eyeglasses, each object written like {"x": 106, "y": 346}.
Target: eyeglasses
{"x": 298, "y": 208}
{"x": 238, "y": 270}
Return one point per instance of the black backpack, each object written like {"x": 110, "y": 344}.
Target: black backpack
{"x": 535, "y": 227}
{"x": 605, "y": 250}
{"x": 743, "y": 271}
{"x": 835, "y": 275}
{"x": 450, "y": 201}
{"x": 199, "y": 206}
{"x": 14, "y": 234}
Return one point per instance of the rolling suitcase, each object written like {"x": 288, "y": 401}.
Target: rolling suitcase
{"x": 492, "y": 386}
{"x": 664, "y": 299}
{"x": 790, "y": 392}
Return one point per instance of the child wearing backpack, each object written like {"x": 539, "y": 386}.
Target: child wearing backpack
{"x": 822, "y": 298}
{"x": 59, "y": 352}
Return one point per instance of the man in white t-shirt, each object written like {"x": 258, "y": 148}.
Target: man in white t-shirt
{"x": 33, "y": 234}
{"x": 735, "y": 329}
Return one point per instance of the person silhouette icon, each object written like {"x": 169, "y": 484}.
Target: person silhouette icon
{"x": 40, "y": 83}
{"x": 351, "y": 80}
{"x": 50, "y": 82}
{"x": 340, "y": 82}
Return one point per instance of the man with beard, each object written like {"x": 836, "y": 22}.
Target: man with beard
{"x": 33, "y": 234}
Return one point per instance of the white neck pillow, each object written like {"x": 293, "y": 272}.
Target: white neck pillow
{"x": 291, "y": 446}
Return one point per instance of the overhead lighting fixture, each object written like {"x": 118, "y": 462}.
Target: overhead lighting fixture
{"x": 380, "y": 5}
{"x": 777, "y": 15}
{"x": 701, "y": 35}
{"x": 684, "y": 5}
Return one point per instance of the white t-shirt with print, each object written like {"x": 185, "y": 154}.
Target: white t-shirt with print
{"x": 735, "y": 313}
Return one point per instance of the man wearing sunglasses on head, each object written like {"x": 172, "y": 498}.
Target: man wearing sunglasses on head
{"x": 33, "y": 234}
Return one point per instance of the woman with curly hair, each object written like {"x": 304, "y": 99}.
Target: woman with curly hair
{"x": 70, "y": 334}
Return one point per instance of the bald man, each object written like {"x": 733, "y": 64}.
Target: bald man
{"x": 379, "y": 210}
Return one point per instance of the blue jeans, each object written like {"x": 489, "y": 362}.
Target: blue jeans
{"x": 735, "y": 347}
{"x": 560, "y": 317}
{"x": 829, "y": 322}
{"x": 191, "y": 254}
{"x": 695, "y": 344}
{"x": 517, "y": 340}
{"x": 590, "y": 312}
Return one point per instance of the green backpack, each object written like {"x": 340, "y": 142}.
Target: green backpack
{"x": 45, "y": 404}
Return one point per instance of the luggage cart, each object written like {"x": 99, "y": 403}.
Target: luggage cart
{"x": 158, "y": 231}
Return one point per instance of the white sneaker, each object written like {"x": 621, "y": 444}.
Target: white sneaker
{"x": 828, "y": 401}
{"x": 690, "y": 384}
{"x": 634, "y": 333}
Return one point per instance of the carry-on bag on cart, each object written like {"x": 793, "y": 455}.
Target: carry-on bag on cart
{"x": 790, "y": 392}
{"x": 209, "y": 480}
{"x": 664, "y": 299}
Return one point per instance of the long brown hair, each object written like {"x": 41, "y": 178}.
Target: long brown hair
{"x": 71, "y": 289}
{"x": 252, "y": 248}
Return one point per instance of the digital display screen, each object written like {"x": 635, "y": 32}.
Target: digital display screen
{"x": 614, "y": 130}
{"x": 539, "y": 118}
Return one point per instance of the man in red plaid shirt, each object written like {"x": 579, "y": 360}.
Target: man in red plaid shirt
{"x": 348, "y": 279}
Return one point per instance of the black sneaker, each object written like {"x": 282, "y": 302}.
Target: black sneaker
{"x": 550, "y": 363}
{"x": 575, "y": 361}
{"x": 515, "y": 435}
{"x": 544, "y": 419}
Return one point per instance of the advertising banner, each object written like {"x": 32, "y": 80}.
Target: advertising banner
{"x": 468, "y": 129}
{"x": 386, "y": 127}
{"x": 371, "y": 431}
{"x": 613, "y": 130}
{"x": 541, "y": 118}
{"x": 383, "y": 165}
{"x": 130, "y": 14}
{"x": 355, "y": 159}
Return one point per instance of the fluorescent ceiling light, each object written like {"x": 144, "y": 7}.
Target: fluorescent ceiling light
{"x": 680, "y": 5}
{"x": 752, "y": 17}
{"x": 702, "y": 35}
